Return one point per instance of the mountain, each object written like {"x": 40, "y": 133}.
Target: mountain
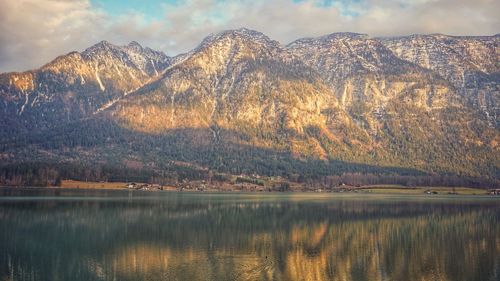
{"x": 241, "y": 102}
{"x": 410, "y": 113}
{"x": 238, "y": 80}
{"x": 76, "y": 85}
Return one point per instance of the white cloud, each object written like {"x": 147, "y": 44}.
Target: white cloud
{"x": 32, "y": 32}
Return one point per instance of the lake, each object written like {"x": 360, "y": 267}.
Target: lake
{"x": 50, "y": 234}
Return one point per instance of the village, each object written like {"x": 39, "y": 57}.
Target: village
{"x": 203, "y": 186}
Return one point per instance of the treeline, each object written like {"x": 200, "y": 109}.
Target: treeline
{"x": 358, "y": 179}
{"x": 51, "y": 174}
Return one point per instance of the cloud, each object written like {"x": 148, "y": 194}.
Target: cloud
{"x": 32, "y": 32}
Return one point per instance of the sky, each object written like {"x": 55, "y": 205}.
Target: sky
{"x": 33, "y": 32}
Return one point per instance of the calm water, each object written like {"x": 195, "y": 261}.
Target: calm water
{"x": 121, "y": 235}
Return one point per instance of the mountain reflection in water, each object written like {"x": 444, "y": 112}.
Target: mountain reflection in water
{"x": 83, "y": 235}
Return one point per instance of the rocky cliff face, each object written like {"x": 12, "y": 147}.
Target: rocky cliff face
{"x": 470, "y": 64}
{"x": 234, "y": 76}
{"x": 367, "y": 78}
{"x": 341, "y": 97}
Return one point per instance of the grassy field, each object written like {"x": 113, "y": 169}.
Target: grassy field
{"x": 92, "y": 185}
{"x": 422, "y": 190}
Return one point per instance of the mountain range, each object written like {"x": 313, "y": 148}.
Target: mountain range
{"x": 242, "y": 103}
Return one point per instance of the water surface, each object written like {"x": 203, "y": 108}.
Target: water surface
{"x": 122, "y": 235}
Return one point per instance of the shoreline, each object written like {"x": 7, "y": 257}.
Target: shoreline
{"x": 379, "y": 189}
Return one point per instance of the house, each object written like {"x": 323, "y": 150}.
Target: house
{"x": 495, "y": 191}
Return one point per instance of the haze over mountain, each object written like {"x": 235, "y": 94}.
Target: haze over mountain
{"x": 241, "y": 102}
